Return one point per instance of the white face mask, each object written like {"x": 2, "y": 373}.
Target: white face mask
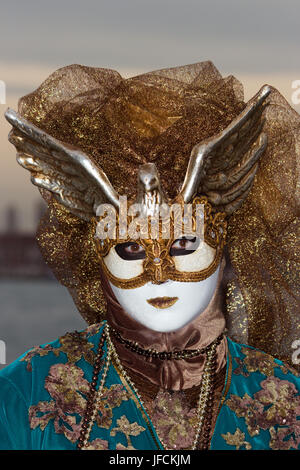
{"x": 192, "y": 299}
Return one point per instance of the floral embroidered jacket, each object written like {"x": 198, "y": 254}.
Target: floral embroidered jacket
{"x": 43, "y": 395}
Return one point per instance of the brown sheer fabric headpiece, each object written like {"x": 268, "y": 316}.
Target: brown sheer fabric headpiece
{"x": 159, "y": 117}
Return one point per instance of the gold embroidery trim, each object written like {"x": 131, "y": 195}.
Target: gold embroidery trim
{"x": 226, "y": 388}
{"x": 227, "y": 383}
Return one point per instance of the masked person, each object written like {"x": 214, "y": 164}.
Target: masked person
{"x": 173, "y": 357}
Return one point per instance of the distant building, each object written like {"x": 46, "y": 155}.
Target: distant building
{"x": 39, "y": 210}
{"x": 11, "y": 220}
{"x": 20, "y": 257}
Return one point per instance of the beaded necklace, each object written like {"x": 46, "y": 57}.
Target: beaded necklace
{"x": 162, "y": 355}
{"x": 205, "y": 401}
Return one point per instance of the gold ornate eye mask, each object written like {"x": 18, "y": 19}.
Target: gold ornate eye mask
{"x": 159, "y": 258}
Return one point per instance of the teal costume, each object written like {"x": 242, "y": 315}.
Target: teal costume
{"x": 43, "y": 395}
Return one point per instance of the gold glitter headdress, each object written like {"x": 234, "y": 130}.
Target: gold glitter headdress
{"x": 160, "y": 117}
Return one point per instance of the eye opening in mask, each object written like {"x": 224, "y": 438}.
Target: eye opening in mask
{"x": 181, "y": 246}
{"x": 130, "y": 251}
{"x": 184, "y": 246}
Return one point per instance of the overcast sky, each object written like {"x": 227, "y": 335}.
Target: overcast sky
{"x": 244, "y": 35}
{"x": 257, "y": 41}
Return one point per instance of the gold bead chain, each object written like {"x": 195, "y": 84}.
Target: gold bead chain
{"x": 204, "y": 395}
{"x": 205, "y": 388}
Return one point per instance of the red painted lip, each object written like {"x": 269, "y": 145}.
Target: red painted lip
{"x": 162, "y": 302}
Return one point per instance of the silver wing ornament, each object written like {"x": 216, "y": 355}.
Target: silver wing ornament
{"x": 223, "y": 167}
{"x": 72, "y": 176}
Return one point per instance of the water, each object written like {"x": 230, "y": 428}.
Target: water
{"x": 33, "y": 313}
